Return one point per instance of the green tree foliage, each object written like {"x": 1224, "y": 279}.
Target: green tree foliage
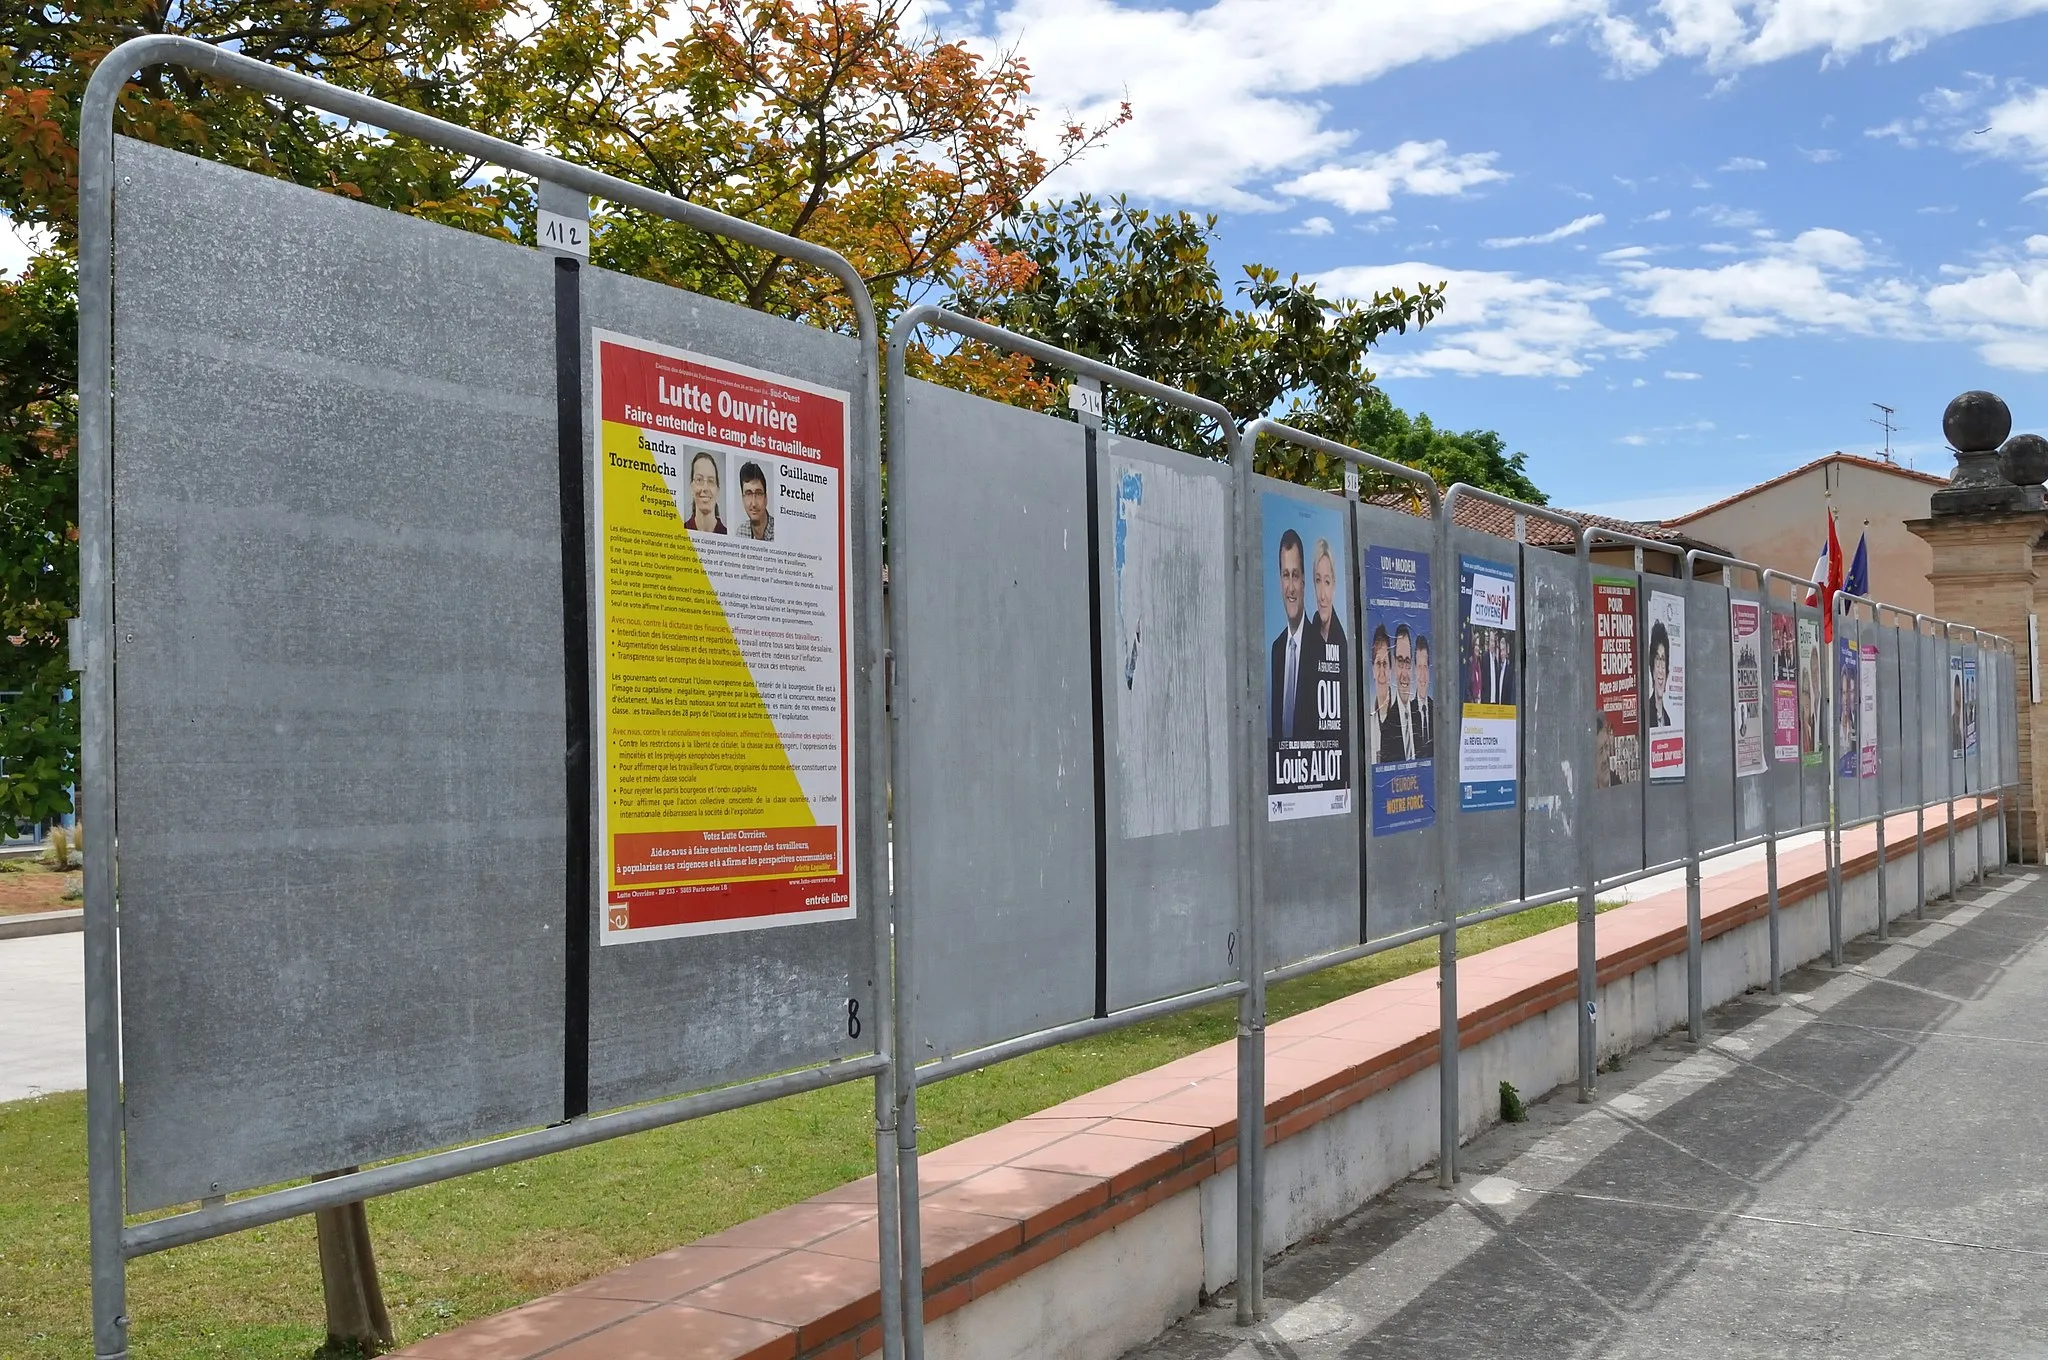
{"x": 38, "y": 541}
{"x": 1477, "y": 457}
{"x": 1140, "y": 290}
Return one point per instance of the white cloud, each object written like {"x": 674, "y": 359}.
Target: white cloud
{"x": 1727, "y": 35}
{"x": 2037, "y": 245}
{"x": 2019, "y": 129}
{"x": 1496, "y": 322}
{"x": 1578, "y": 226}
{"x": 1661, "y": 215}
{"x": 1637, "y": 440}
{"x": 1630, "y": 51}
{"x": 1369, "y": 183}
{"x": 1744, "y": 163}
{"x": 1680, "y": 375}
{"x": 1640, "y": 382}
{"x": 1821, "y": 155}
{"x": 1626, "y": 254}
{"x": 1734, "y": 219}
{"x": 1314, "y": 226}
{"x": 1804, "y": 284}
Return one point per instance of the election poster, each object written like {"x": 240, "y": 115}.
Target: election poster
{"x": 1665, "y": 615}
{"x": 1746, "y": 655}
{"x": 1848, "y": 709}
{"x": 1487, "y": 749}
{"x": 1617, "y": 733}
{"x": 1812, "y": 690}
{"x": 1400, "y": 722}
{"x": 1306, "y": 703}
{"x": 1867, "y": 765}
{"x": 1958, "y": 743}
{"x": 1784, "y": 689}
{"x": 725, "y": 771}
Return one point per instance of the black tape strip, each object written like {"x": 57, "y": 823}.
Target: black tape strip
{"x": 575, "y": 692}
{"x": 1095, "y": 700}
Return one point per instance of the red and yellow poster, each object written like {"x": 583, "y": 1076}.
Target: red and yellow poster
{"x": 724, "y": 761}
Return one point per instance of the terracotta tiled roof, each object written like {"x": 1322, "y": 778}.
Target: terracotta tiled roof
{"x": 1499, "y": 520}
{"x": 1854, "y": 460}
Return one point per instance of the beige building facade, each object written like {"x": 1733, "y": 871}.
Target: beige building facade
{"x": 1782, "y": 523}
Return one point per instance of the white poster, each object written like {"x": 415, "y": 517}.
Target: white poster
{"x": 1665, "y": 715}
{"x": 1746, "y": 655}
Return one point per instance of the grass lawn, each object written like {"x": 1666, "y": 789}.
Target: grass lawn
{"x": 29, "y": 885}
{"x": 467, "y": 1248}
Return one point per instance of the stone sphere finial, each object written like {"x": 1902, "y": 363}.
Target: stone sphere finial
{"x": 2024, "y": 460}
{"x": 1976, "y": 422}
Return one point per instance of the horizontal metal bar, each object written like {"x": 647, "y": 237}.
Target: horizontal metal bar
{"x": 939, "y": 318}
{"x": 1466, "y": 491}
{"x": 1303, "y": 439}
{"x": 1622, "y": 880}
{"x": 1355, "y": 952}
{"x": 1697, "y": 555}
{"x": 198, "y": 1225}
{"x": 1480, "y": 918}
{"x": 973, "y": 1061}
{"x": 1600, "y": 533}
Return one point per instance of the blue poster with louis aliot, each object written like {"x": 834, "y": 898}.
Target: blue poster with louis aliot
{"x": 1400, "y": 719}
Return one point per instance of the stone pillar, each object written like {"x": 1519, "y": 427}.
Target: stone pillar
{"x": 1989, "y": 533}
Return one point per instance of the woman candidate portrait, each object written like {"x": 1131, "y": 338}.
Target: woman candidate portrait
{"x": 1660, "y": 675}
{"x": 704, "y": 496}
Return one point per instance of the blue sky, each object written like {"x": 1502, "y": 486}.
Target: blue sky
{"x": 1688, "y": 242}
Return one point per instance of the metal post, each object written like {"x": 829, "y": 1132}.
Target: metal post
{"x": 1978, "y": 800}
{"x": 1695, "y": 1010}
{"x": 1582, "y": 828}
{"x": 1447, "y": 801}
{"x": 1834, "y": 827}
{"x": 1251, "y": 1007}
{"x": 1948, "y": 651}
{"x": 105, "y": 1203}
{"x": 1920, "y": 779}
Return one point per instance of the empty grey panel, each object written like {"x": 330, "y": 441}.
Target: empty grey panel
{"x": 1557, "y": 801}
{"x": 1165, "y": 535}
{"x": 2009, "y": 740}
{"x": 1891, "y": 789}
{"x": 1309, "y": 889}
{"x": 668, "y": 1016}
{"x": 1664, "y": 800}
{"x": 1751, "y": 790}
{"x": 340, "y": 716}
{"x": 995, "y": 793}
{"x": 1985, "y": 764}
{"x": 1905, "y": 757}
{"x": 1709, "y": 717}
{"x": 1401, "y": 867}
{"x": 1935, "y": 766}
{"x": 1813, "y": 770}
{"x": 1489, "y": 842}
{"x": 1857, "y": 795}
{"x": 1782, "y": 779}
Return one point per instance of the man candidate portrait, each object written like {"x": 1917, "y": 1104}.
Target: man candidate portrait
{"x": 1400, "y": 726}
{"x": 1291, "y": 701}
{"x": 759, "y": 523}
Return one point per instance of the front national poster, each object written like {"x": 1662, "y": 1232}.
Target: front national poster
{"x": 1400, "y": 720}
{"x": 1664, "y": 614}
{"x": 725, "y": 768}
{"x": 1784, "y": 689}
{"x": 1848, "y": 709}
{"x": 1487, "y": 746}
{"x": 1306, "y": 704}
{"x": 1746, "y": 655}
{"x": 1617, "y": 736}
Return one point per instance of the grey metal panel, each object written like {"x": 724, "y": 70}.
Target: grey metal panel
{"x": 1987, "y": 763}
{"x": 989, "y": 519}
{"x": 1165, "y": 534}
{"x": 1555, "y": 808}
{"x": 668, "y": 1016}
{"x": 1813, "y": 774}
{"x": 1709, "y": 716}
{"x": 1852, "y": 791}
{"x": 1664, "y": 800}
{"x": 1310, "y": 886}
{"x": 2009, "y": 741}
{"x": 1751, "y": 791}
{"x": 1959, "y": 650}
{"x": 1906, "y": 749}
{"x": 1781, "y": 781}
{"x": 340, "y": 716}
{"x": 1891, "y": 787}
{"x": 1934, "y": 720}
{"x": 1401, "y": 869}
{"x": 1489, "y": 842}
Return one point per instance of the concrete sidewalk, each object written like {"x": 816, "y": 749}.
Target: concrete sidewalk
{"x": 42, "y": 1016}
{"x": 1853, "y": 1168}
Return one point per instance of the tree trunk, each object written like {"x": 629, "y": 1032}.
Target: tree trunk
{"x": 348, "y": 1275}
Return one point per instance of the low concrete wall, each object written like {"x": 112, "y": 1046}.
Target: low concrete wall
{"x": 1130, "y": 1283}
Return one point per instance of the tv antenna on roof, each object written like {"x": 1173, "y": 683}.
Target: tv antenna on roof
{"x": 1884, "y": 423}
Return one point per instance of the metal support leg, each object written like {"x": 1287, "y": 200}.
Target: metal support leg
{"x": 1695, "y": 1010}
{"x": 1251, "y": 1146}
{"x": 1771, "y": 906}
{"x": 1835, "y": 895}
{"x": 1447, "y": 1055}
{"x": 1884, "y": 925}
{"x": 1589, "y": 1037}
{"x": 1920, "y": 863}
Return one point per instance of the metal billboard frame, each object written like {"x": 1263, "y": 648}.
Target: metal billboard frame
{"x": 113, "y": 1241}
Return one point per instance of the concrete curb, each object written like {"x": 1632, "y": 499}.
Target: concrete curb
{"x": 67, "y": 922}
